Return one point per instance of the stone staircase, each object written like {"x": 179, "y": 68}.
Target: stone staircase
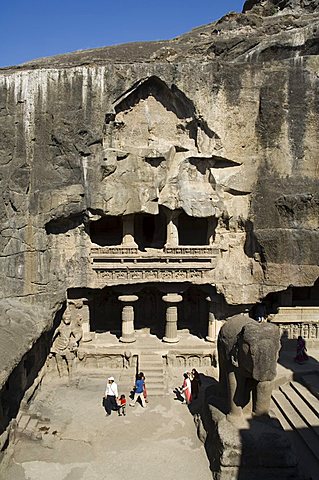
{"x": 297, "y": 409}
{"x": 31, "y": 426}
{"x": 152, "y": 366}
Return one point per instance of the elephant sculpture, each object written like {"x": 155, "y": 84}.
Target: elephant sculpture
{"x": 248, "y": 353}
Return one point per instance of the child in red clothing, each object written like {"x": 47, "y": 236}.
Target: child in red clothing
{"x": 122, "y": 405}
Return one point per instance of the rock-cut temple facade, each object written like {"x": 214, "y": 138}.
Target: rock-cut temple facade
{"x": 159, "y": 188}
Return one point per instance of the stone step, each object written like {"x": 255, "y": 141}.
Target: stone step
{"x": 23, "y": 422}
{"x": 158, "y": 372}
{"x": 152, "y": 367}
{"x": 276, "y": 413}
{"x": 151, "y": 386}
{"x": 311, "y": 381}
{"x": 308, "y": 464}
{"x": 152, "y": 355}
{"x": 308, "y": 397}
{"x": 297, "y": 423}
{"x": 32, "y": 426}
{"x": 148, "y": 367}
{"x": 151, "y": 361}
{"x": 306, "y": 413}
{"x": 149, "y": 378}
{"x": 301, "y": 407}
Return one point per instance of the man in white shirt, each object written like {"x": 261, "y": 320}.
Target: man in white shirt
{"x": 111, "y": 396}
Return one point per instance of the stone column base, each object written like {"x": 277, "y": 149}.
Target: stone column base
{"x": 170, "y": 340}
{"x": 210, "y": 339}
{"x": 128, "y": 339}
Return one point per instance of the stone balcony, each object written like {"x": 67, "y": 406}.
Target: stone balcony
{"x": 172, "y": 264}
{"x": 299, "y": 320}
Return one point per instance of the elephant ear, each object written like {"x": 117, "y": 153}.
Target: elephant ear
{"x": 263, "y": 340}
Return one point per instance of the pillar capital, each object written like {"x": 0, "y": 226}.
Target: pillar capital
{"x": 128, "y": 298}
{"x": 172, "y": 298}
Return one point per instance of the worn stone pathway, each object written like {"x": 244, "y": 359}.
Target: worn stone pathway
{"x": 81, "y": 443}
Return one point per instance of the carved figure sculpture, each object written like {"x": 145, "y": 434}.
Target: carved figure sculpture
{"x": 65, "y": 343}
{"x": 248, "y": 353}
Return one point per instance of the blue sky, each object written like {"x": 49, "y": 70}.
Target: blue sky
{"x": 39, "y": 28}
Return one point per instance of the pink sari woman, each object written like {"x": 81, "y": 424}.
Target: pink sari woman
{"x": 186, "y": 389}
{"x": 301, "y": 351}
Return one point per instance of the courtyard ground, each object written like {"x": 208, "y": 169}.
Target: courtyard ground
{"x": 81, "y": 443}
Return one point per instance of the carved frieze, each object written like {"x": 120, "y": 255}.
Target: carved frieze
{"x": 189, "y": 360}
{"x": 291, "y": 331}
{"x": 205, "y": 250}
{"x": 120, "y": 250}
{"x": 114, "y": 264}
{"x": 154, "y": 274}
{"x": 111, "y": 361}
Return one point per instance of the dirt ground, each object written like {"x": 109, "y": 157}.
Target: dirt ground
{"x": 81, "y": 443}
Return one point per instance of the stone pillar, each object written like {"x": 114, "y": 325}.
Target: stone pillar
{"x": 172, "y": 299}
{"x": 85, "y": 311}
{"x": 210, "y": 231}
{"x": 172, "y": 229}
{"x": 213, "y": 325}
{"x": 211, "y": 334}
{"x": 128, "y": 332}
{"x": 128, "y": 231}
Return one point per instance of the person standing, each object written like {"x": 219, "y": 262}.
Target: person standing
{"x": 111, "y": 396}
{"x": 139, "y": 391}
{"x": 122, "y": 406}
{"x": 301, "y": 356}
{"x": 186, "y": 389}
{"x": 144, "y": 387}
{"x": 195, "y": 384}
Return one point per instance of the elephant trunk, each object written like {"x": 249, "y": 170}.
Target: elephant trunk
{"x": 264, "y": 363}
{"x": 263, "y": 397}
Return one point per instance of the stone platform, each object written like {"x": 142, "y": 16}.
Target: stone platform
{"x": 105, "y": 350}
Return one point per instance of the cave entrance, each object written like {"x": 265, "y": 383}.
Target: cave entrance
{"x": 150, "y": 230}
{"x": 194, "y": 312}
{"x": 107, "y": 231}
{"x": 104, "y": 309}
{"x": 293, "y": 297}
{"x": 192, "y": 230}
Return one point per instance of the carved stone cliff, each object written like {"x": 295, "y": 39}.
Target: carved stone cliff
{"x": 220, "y": 123}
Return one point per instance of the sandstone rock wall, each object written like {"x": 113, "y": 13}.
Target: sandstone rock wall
{"x": 222, "y": 123}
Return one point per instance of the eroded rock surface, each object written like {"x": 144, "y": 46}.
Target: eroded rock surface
{"x": 270, "y": 7}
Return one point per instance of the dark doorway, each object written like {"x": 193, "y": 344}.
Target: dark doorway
{"x": 150, "y": 311}
{"x": 293, "y": 297}
{"x": 192, "y": 230}
{"x": 107, "y": 231}
{"x": 193, "y": 313}
{"x": 150, "y": 230}
{"x": 105, "y": 310}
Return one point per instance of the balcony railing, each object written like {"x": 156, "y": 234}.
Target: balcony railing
{"x": 182, "y": 263}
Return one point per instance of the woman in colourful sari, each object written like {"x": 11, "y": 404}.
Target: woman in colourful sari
{"x": 301, "y": 356}
{"x": 186, "y": 389}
